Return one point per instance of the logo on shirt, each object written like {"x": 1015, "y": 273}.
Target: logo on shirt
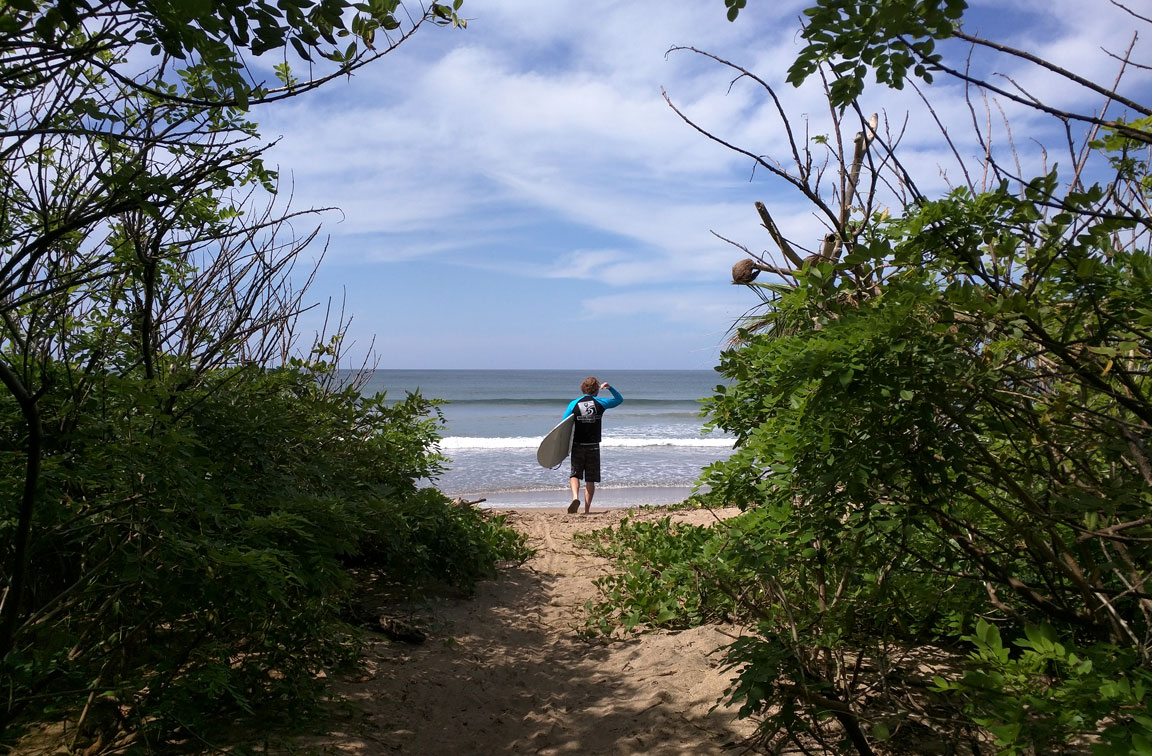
{"x": 587, "y": 409}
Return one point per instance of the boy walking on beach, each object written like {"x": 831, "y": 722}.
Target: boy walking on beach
{"x": 588, "y": 410}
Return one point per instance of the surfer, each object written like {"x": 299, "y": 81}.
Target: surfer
{"x": 588, "y": 410}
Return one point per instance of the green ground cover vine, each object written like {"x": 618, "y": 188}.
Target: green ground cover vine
{"x": 666, "y": 576}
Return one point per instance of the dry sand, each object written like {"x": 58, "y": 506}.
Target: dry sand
{"x": 509, "y": 671}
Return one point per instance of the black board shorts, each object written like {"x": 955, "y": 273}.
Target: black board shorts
{"x": 586, "y": 462}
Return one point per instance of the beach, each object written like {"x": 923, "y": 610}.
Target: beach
{"x": 606, "y": 497}
{"x": 510, "y": 671}
{"x": 493, "y": 420}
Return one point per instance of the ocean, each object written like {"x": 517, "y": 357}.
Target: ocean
{"x": 653, "y": 445}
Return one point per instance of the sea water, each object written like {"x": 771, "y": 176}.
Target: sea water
{"x": 652, "y": 451}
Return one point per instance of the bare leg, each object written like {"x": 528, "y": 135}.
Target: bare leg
{"x": 574, "y": 484}
{"x": 589, "y": 489}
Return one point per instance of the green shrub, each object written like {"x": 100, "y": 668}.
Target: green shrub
{"x": 188, "y": 559}
{"x": 425, "y": 539}
{"x": 954, "y": 453}
{"x": 666, "y": 576}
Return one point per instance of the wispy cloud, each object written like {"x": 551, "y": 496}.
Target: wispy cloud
{"x": 672, "y": 305}
{"x": 533, "y": 164}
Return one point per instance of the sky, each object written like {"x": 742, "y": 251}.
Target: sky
{"x": 519, "y": 194}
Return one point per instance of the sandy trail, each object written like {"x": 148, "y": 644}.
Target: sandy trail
{"x": 508, "y": 671}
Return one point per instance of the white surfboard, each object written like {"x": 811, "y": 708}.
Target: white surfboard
{"x": 557, "y": 444}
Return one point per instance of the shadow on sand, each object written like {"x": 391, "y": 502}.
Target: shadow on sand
{"x": 509, "y": 672}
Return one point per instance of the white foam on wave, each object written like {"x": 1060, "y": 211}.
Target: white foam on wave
{"x": 531, "y": 442}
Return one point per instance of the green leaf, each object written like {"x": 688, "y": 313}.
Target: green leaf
{"x": 195, "y": 8}
{"x": 301, "y": 50}
{"x": 1006, "y": 734}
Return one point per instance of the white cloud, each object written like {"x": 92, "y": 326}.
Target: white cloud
{"x": 474, "y": 131}
{"x": 535, "y": 147}
{"x": 715, "y": 306}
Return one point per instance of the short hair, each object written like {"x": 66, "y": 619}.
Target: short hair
{"x": 591, "y": 385}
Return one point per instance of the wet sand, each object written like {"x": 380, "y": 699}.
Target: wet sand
{"x": 606, "y": 497}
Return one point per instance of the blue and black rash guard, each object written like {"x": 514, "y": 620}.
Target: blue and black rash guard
{"x": 588, "y": 411}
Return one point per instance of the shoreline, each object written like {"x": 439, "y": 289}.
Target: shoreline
{"x": 556, "y": 500}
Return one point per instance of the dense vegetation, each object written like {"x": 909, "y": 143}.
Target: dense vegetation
{"x": 943, "y": 424}
{"x": 181, "y": 489}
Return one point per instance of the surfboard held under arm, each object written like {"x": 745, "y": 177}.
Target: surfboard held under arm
{"x": 557, "y": 444}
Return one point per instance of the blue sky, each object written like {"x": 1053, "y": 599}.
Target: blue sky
{"x": 519, "y": 195}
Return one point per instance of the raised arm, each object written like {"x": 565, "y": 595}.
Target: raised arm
{"x": 616, "y": 399}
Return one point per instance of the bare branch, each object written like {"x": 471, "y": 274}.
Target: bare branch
{"x": 1092, "y": 86}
